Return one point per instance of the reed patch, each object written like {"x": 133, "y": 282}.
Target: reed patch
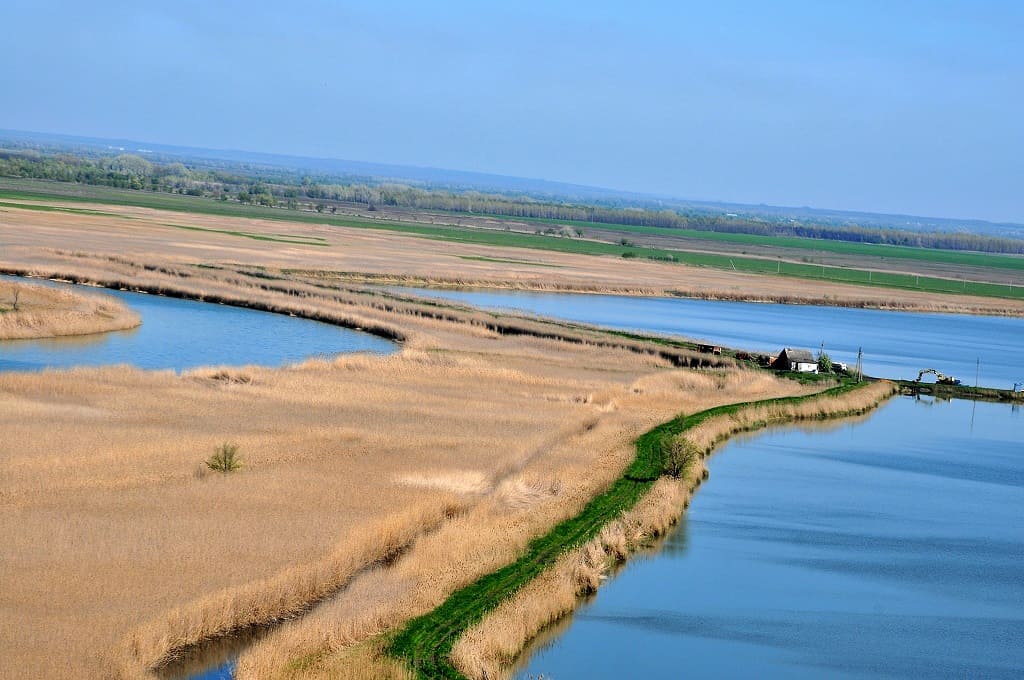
{"x": 33, "y": 311}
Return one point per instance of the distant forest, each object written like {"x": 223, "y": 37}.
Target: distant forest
{"x": 289, "y": 189}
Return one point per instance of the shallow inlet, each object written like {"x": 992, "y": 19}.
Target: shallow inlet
{"x": 886, "y": 547}
{"x": 896, "y": 344}
{"x": 182, "y": 334}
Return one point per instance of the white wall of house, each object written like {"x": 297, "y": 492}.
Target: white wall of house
{"x": 801, "y": 367}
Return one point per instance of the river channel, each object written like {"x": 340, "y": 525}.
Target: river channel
{"x": 181, "y": 334}
{"x": 895, "y": 344}
{"x": 890, "y": 546}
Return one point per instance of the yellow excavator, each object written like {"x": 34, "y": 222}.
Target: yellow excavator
{"x": 940, "y": 378}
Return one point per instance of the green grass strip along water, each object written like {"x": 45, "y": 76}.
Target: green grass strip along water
{"x": 426, "y": 642}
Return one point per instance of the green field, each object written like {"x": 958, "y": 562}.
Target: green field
{"x": 954, "y": 257}
{"x": 511, "y": 239}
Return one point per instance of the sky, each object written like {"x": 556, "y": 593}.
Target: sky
{"x": 898, "y": 107}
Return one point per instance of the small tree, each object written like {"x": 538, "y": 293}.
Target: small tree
{"x": 224, "y": 458}
{"x": 824, "y": 363}
{"x": 680, "y": 455}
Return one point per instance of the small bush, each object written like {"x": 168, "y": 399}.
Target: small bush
{"x": 680, "y": 455}
{"x": 628, "y": 254}
{"x": 824, "y": 363}
{"x": 224, "y": 459}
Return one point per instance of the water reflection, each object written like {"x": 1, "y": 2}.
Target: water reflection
{"x": 70, "y": 342}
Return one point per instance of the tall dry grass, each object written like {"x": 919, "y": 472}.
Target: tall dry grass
{"x": 120, "y": 556}
{"x": 361, "y": 255}
{"x": 715, "y": 430}
{"x": 108, "y": 529}
{"x": 32, "y": 311}
{"x": 285, "y": 595}
{"x": 488, "y": 649}
{"x": 551, "y": 486}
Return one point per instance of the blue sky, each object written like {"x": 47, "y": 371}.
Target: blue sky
{"x": 911, "y": 107}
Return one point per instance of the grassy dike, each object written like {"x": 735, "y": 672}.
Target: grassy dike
{"x": 426, "y": 642}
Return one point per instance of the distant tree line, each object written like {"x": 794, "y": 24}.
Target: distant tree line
{"x": 274, "y": 187}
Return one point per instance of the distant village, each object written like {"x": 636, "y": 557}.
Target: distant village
{"x": 789, "y": 359}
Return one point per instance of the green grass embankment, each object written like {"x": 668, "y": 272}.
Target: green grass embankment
{"x": 426, "y": 642}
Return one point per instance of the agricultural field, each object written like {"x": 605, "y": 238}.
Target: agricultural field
{"x": 897, "y": 267}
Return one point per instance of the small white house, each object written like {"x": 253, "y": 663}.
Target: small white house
{"x": 799, "y": 360}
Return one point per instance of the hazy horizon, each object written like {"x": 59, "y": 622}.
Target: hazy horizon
{"x": 612, "y": 191}
{"x": 909, "y": 110}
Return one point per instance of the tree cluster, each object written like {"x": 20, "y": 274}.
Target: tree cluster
{"x": 272, "y": 187}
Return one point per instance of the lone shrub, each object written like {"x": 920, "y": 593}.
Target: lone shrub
{"x": 680, "y": 455}
{"x": 824, "y": 363}
{"x": 224, "y": 458}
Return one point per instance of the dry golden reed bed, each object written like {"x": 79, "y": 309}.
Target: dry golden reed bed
{"x": 353, "y": 255}
{"x": 35, "y": 311}
{"x": 384, "y": 483}
{"x": 372, "y": 487}
{"x": 546, "y": 491}
{"x": 488, "y": 649}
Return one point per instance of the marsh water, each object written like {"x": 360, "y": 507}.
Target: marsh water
{"x": 895, "y": 344}
{"x": 890, "y": 546}
{"x": 181, "y": 334}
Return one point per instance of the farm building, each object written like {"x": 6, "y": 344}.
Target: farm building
{"x": 799, "y": 360}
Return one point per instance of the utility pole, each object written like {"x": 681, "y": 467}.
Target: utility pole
{"x": 977, "y": 372}
{"x": 859, "y": 371}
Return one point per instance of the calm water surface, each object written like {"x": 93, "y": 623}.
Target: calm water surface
{"x": 888, "y": 547}
{"x": 896, "y": 344}
{"x": 181, "y": 334}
